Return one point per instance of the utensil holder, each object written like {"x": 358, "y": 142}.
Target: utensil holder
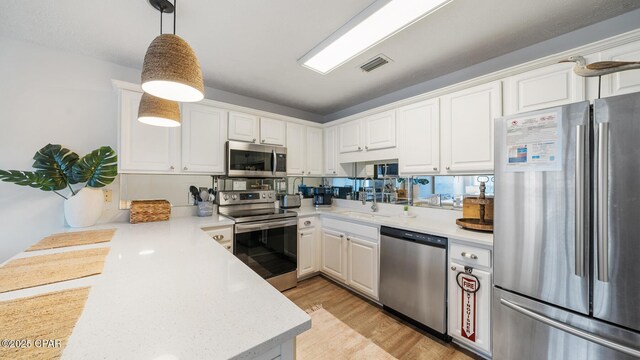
{"x": 205, "y": 208}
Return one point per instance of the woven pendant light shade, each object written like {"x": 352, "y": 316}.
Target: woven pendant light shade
{"x": 171, "y": 70}
{"x": 159, "y": 112}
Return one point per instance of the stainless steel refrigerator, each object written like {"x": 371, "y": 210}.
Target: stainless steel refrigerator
{"x": 567, "y": 232}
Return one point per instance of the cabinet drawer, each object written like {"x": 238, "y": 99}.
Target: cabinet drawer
{"x": 471, "y": 255}
{"x": 349, "y": 228}
{"x": 307, "y": 222}
{"x": 221, "y": 235}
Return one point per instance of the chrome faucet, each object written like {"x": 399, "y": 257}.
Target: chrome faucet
{"x": 294, "y": 187}
{"x": 374, "y": 206}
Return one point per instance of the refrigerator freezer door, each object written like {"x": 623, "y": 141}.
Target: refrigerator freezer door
{"x": 616, "y": 294}
{"x": 542, "y": 217}
{"x": 526, "y": 329}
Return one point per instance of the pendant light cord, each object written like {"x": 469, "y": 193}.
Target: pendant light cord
{"x": 161, "y": 12}
{"x": 175, "y": 10}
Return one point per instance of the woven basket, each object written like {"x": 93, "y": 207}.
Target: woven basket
{"x": 149, "y": 210}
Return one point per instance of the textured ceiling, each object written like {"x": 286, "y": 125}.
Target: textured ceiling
{"x": 251, "y": 47}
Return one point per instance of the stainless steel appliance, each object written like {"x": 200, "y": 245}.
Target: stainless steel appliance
{"x": 265, "y": 238}
{"x": 566, "y": 232}
{"x": 413, "y": 277}
{"x": 322, "y": 196}
{"x": 290, "y": 201}
{"x": 255, "y": 160}
{"x": 342, "y": 192}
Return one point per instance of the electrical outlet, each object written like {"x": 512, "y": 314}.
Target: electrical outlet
{"x": 108, "y": 195}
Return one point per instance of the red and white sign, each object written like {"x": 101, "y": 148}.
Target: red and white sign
{"x": 469, "y": 285}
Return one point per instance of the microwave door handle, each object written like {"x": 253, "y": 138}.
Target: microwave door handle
{"x": 274, "y": 162}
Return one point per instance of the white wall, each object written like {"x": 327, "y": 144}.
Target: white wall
{"x": 51, "y": 96}
{"x": 47, "y": 96}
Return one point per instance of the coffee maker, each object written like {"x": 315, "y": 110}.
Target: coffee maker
{"x": 322, "y": 196}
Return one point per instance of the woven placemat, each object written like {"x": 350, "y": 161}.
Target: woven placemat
{"x": 73, "y": 239}
{"x": 47, "y": 269}
{"x": 42, "y": 324}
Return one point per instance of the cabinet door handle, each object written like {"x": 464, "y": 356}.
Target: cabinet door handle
{"x": 469, "y": 255}
{"x": 307, "y": 223}
{"x": 435, "y": 169}
{"x": 348, "y": 238}
{"x": 366, "y": 148}
{"x": 453, "y": 268}
{"x": 186, "y": 168}
{"x": 171, "y": 167}
{"x": 262, "y": 141}
{"x": 341, "y": 235}
{"x": 254, "y": 140}
{"x": 448, "y": 167}
{"x": 334, "y": 172}
{"x": 359, "y": 148}
{"x": 218, "y": 237}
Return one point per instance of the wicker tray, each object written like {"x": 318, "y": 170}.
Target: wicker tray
{"x": 149, "y": 210}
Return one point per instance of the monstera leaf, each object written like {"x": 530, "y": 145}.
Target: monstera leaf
{"x": 56, "y": 163}
{"x": 97, "y": 168}
{"x": 34, "y": 179}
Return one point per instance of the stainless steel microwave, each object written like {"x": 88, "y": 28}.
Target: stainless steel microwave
{"x": 255, "y": 160}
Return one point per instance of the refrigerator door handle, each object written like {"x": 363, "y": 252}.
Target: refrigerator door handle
{"x": 603, "y": 202}
{"x": 579, "y": 205}
{"x": 571, "y": 330}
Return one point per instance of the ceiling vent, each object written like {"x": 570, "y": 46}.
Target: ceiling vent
{"x": 375, "y": 63}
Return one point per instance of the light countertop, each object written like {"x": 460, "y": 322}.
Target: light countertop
{"x": 445, "y": 227}
{"x": 168, "y": 291}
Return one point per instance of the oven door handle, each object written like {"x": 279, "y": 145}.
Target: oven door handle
{"x": 244, "y": 228}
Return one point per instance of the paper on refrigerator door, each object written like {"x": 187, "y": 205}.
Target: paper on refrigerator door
{"x": 534, "y": 141}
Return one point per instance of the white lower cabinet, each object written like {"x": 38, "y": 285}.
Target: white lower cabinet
{"x": 308, "y": 247}
{"x": 363, "y": 265}
{"x": 469, "y": 313}
{"x": 350, "y": 254}
{"x": 334, "y": 254}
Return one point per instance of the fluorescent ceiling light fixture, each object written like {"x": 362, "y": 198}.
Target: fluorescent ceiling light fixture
{"x": 379, "y": 21}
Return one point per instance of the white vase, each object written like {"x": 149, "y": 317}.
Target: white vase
{"x": 84, "y": 208}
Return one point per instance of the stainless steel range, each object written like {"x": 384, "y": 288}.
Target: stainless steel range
{"x": 266, "y": 238}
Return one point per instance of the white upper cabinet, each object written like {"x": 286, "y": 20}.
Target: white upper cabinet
{"x": 203, "y": 137}
{"x": 373, "y": 132}
{"x": 350, "y": 135}
{"x": 419, "y": 138}
{"x": 332, "y": 166}
{"x": 304, "y": 150}
{"x": 296, "y": 155}
{"x": 142, "y": 147}
{"x": 272, "y": 131}
{"x": 314, "y": 151}
{"x": 623, "y": 82}
{"x": 380, "y": 131}
{"x": 550, "y": 86}
{"x": 467, "y": 128}
{"x": 243, "y": 127}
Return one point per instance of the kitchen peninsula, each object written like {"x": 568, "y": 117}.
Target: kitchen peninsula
{"x": 168, "y": 291}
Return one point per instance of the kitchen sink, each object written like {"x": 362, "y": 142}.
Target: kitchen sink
{"x": 363, "y": 215}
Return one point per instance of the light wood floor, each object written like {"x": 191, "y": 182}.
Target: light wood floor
{"x": 398, "y": 338}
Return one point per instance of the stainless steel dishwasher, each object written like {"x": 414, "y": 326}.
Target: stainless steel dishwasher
{"x": 413, "y": 279}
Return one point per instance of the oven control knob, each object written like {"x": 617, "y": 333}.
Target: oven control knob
{"x": 264, "y": 195}
{"x": 234, "y": 197}
{"x": 270, "y": 195}
{"x": 226, "y": 197}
